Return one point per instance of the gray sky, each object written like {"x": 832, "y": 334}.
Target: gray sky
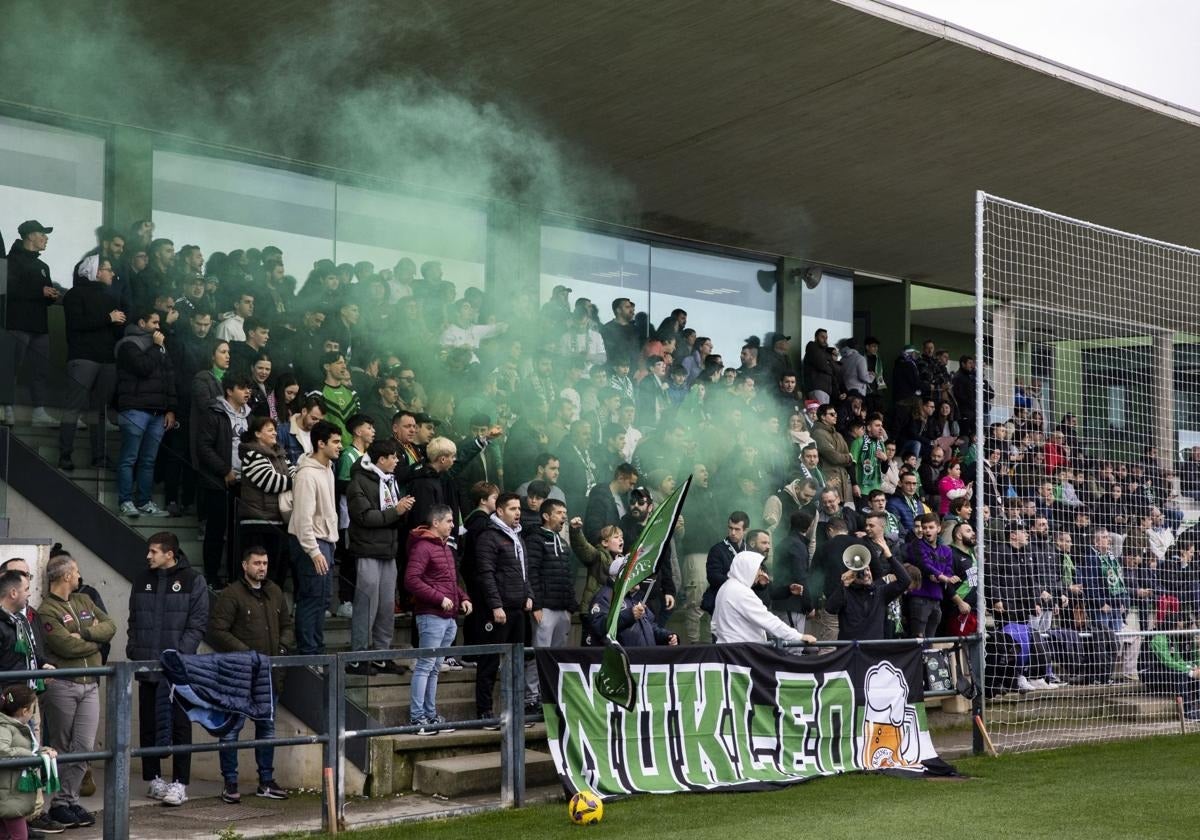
{"x": 1149, "y": 46}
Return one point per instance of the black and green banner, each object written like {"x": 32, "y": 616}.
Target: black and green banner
{"x": 734, "y": 717}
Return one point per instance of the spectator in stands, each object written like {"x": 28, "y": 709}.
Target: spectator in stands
{"x": 636, "y": 625}
{"x": 531, "y": 506}
{"x": 18, "y": 709}
{"x": 168, "y": 609}
{"x": 860, "y": 602}
{"x": 819, "y": 377}
{"x": 833, "y": 450}
{"x": 243, "y": 354}
{"x": 501, "y": 567}
{"x": 384, "y": 402}
{"x": 740, "y": 615}
{"x": 1104, "y": 589}
{"x": 251, "y": 614}
{"x": 869, "y": 458}
{"x": 951, "y": 486}
{"x": 295, "y": 435}
{"x": 720, "y": 557}
{"x": 232, "y": 326}
{"x": 432, "y": 580}
{"x": 578, "y": 475}
{"x": 548, "y": 470}
{"x": 551, "y": 570}
{"x": 30, "y": 295}
{"x": 266, "y": 476}
{"x": 936, "y": 565}
{"x": 608, "y": 503}
{"x": 465, "y": 333}
{"x": 622, "y": 341}
{"x": 581, "y": 338}
{"x": 1173, "y": 668}
{"x": 75, "y": 628}
{"x": 787, "y": 568}
{"x": 146, "y": 404}
{"x": 93, "y": 329}
{"x": 341, "y": 401}
{"x": 376, "y": 506}
{"x": 313, "y": 533}
{"x": 219, "y": 469}
{"x": 907, "y": 506}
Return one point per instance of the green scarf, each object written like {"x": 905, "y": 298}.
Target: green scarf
{"x": 219, "y": 372}
{"x": 1110, "y": 570}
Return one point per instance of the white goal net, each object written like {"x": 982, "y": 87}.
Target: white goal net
{"x": 1090, "y": 468}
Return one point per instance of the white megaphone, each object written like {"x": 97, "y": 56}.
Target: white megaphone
{"x": 856, "y": 558}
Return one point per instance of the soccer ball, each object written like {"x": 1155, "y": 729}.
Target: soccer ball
{"x": 585, "y": 808}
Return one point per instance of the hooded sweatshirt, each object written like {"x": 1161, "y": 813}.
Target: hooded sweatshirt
{"x": 740, "y": 615}
{"x": 314, "y": 511}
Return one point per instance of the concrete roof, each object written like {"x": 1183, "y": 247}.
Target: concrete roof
{"x": 851, "y": 132}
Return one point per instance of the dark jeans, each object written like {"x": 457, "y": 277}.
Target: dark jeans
{"x": 218, "y": 505}
{"x": 90, "y": 385}
{"x": 312, "y": 596}
{"x": 154, "y": 707}
{"x": 512, "y": 631}
{"x": 179, "y": 479}
{"x": 264, "y": 757}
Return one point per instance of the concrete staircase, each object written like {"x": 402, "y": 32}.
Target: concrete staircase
{"x": 101, "y": 484}
{"x": 452, "y": 765}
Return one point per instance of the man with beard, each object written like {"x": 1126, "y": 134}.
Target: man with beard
{"x": 662, "y": 597}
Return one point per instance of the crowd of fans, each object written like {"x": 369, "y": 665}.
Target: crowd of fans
{"x": 396, "y": 446}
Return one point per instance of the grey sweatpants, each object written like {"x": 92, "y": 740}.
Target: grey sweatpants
{"x": 71, "y": 716}
{"x": 553, "y": 630}
{"x": 373, "y": 622}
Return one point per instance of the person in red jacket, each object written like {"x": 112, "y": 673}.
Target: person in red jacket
{"x": 431, "y": 577}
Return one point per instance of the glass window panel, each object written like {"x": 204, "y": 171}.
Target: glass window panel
{"x": 721, "y": 296}
{"x": 382, "y": 227}
{"x": 830, "y": 306}
{"x": 57, "y": 177}
{"x": 222, "y": 205}
{"x": 600, "y": 268}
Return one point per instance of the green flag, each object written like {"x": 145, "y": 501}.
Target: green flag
{"x": 614, "y": 679}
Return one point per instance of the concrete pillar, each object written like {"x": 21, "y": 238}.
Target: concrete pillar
{"x": 130, "y": 177}
{"x": 1004, "y": 361}
{"x": 1163, "y": 394}
{"x": 514, "y": 250}
{"x": 788, "y": 308}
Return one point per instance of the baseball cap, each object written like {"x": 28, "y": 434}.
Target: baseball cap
{"x": 33, "y": 226}
{"x": 558, "y": 289}
{"x": 639, "y": 493}
{"x": 424, "y": 418}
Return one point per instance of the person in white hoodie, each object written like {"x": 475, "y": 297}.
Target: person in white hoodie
{"x": 740, "y": 615}
{"x": 312, "y": 535}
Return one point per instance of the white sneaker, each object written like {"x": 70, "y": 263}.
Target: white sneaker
{"x": 158, "y": 789}
{"x": 452, "y": 664}
{"x": 346, "y": 610}
{"x": 81, "y": 425}
{"x": 1039, "y": 683}
{"x": 6, "y": 415}
{"x": 175, "y": 796}
{"x": 41, "y": 417}
{"x": 1024, "y": 684}
{"x": 128, "y": 509}
{"x": 151, "y": 509}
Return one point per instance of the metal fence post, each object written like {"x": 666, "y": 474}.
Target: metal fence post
{"x": 517, "y": 738}
{"x": 330, "y": 813}
{"x": 508, "y": 725}
{"x": 118, "y": 732}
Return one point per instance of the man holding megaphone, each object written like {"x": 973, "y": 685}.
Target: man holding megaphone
{"x": 860, "y": 602}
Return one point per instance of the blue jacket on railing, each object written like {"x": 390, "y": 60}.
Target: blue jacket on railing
{"x": 218, "y": 689}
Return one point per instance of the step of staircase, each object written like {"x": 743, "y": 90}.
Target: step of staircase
{"x": 467, "y": 774}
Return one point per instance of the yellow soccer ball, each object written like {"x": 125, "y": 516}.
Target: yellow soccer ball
{"x": 585, "y": 808}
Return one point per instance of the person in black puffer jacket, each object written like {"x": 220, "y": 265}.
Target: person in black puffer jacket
{"x": 168, "y": 609}
{"x": 551, "y": 568}
{"x": 500, "y": 568}
{"x": 146, "y": 403}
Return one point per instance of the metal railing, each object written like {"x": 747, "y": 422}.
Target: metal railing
{"x": 120, "y": 678}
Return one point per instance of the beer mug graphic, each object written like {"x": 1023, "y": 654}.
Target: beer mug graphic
{"x": 890, "y": 732}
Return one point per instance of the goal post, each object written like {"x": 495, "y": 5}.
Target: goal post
{"x": 1088, "y": 424}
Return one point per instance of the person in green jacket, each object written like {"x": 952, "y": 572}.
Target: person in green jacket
{"x": 1172, "y": 668}
{"x": 18, "y": 785}
{"x": 74, "y": 628}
